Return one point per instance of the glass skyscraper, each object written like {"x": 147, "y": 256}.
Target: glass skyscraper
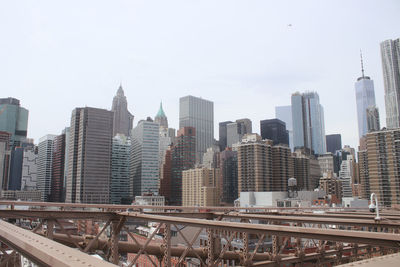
{"x": 284, "y": 113}
{"x": 365, "y": 98}
{"x": 390, "y": 53}
{"x": 144, "y": 170}
{"x": 198, "y": 113}
{"x": 308, "y": 122}
{"x": 45, "y": 165}
{"x": 120, "y": 168}
{"x": 14, "y": 120}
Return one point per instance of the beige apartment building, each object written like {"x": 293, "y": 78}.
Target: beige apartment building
{"x": 379, "y": 166}
{"x": 254, "y": 164}
{"x": 263, "y": 167}
{"x": 200, "y": 187}
{"x": 282, "y": 167}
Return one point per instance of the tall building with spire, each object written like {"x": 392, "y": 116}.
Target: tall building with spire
{"x": 390, "y": 53}
{"x": 161, "y": 118}
{"x": 123, "y": 119}
{"x": 166, "y": 136}
{"x": 365, "y": 98}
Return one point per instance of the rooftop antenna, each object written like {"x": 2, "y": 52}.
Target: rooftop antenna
{"x": 362, "y": 64}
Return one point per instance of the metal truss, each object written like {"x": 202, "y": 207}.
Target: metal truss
{"x": 228, "y": 237}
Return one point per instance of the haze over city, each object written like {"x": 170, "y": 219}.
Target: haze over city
{"x": 246, "y": 57}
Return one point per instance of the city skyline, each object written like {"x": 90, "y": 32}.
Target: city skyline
{"x": 241, "y": 59}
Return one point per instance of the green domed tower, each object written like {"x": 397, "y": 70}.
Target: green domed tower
{"x": 161, "y": 118}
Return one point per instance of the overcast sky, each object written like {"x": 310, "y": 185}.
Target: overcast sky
{"x": 242, "y": 55}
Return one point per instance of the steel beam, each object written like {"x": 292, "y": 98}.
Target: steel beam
{"x": 259, "y": 259}
{"x": 166, "y": 208}
{"x": 303, "y": 218}
{"x": 57, "y": 214}
{"x": 43, "y": 251}
{"x": 378, "y": 239}
{"x": 319, "y": 220}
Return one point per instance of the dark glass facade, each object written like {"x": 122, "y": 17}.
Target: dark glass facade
{"x": 183, "y": 158}
{"x": 57, "y": 177}
{"x": 223, "y": 134}
{"x": 333, "y": 143}
{"x": 17, "y": 156}
{"x": 274, "y": 130}
{"x": 229, "y": 176}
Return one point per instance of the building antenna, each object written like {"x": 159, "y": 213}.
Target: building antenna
{"x": 362, "y": 64}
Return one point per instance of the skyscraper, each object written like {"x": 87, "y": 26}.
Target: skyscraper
{"x": 5, "y": 154}
{"x": 45, "y": 165}
{"x": 284, "y": 113}
{"x": 233, "y": 134}
{"x": 183, "y": 158}
{"x": 29, "y": 169}
{"x": 262, "y": 166}
{"x": 223, "y": 134}
{"x": 166, "y": 135}
{"x": 245, "y": 125}
{"x": 58, "y": 165}
{"x": 66, "y": 160}
{"x": 161, "y": 118}
{"x": 274, "y": 130}
{"x": 236, "y": 130}
{"x": 89, "y": 167}
{"x": 15, "y": 175}
{"x": 282, "y": 167}
{"x": 390, "y": 53}
{"x": 120, "y": 160}
{"x": 379, "y": 166}
{"x": 211, "y": 157}
{"x": 346, "y": 176}
{"x": 166, "y": 175}
{"x": 308, "y": 122}
{"x": 14, "y": 120}
{"x": 302, "y": 171}
{"x": 333, "y": 143}
{"x": 373, "y": 121}
{"x": 123, "y": 119}
{"x": 73, "y": 146}
{"x": 144, "y": 170}
{"x": 229, "y": 176}
{"x": 365, "y": 97}
{"x": 198, "y": 113}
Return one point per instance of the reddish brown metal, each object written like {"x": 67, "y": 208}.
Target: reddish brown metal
{"x": 109, "y": 207}
{"x": 116, "y": 226}
{"x": 167, "y": 245}
{"x": 44, "y": 251}
{"x": 50, "y": 229}
{"x": 325, "y": 252}
{"x": 373, "y": 238}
